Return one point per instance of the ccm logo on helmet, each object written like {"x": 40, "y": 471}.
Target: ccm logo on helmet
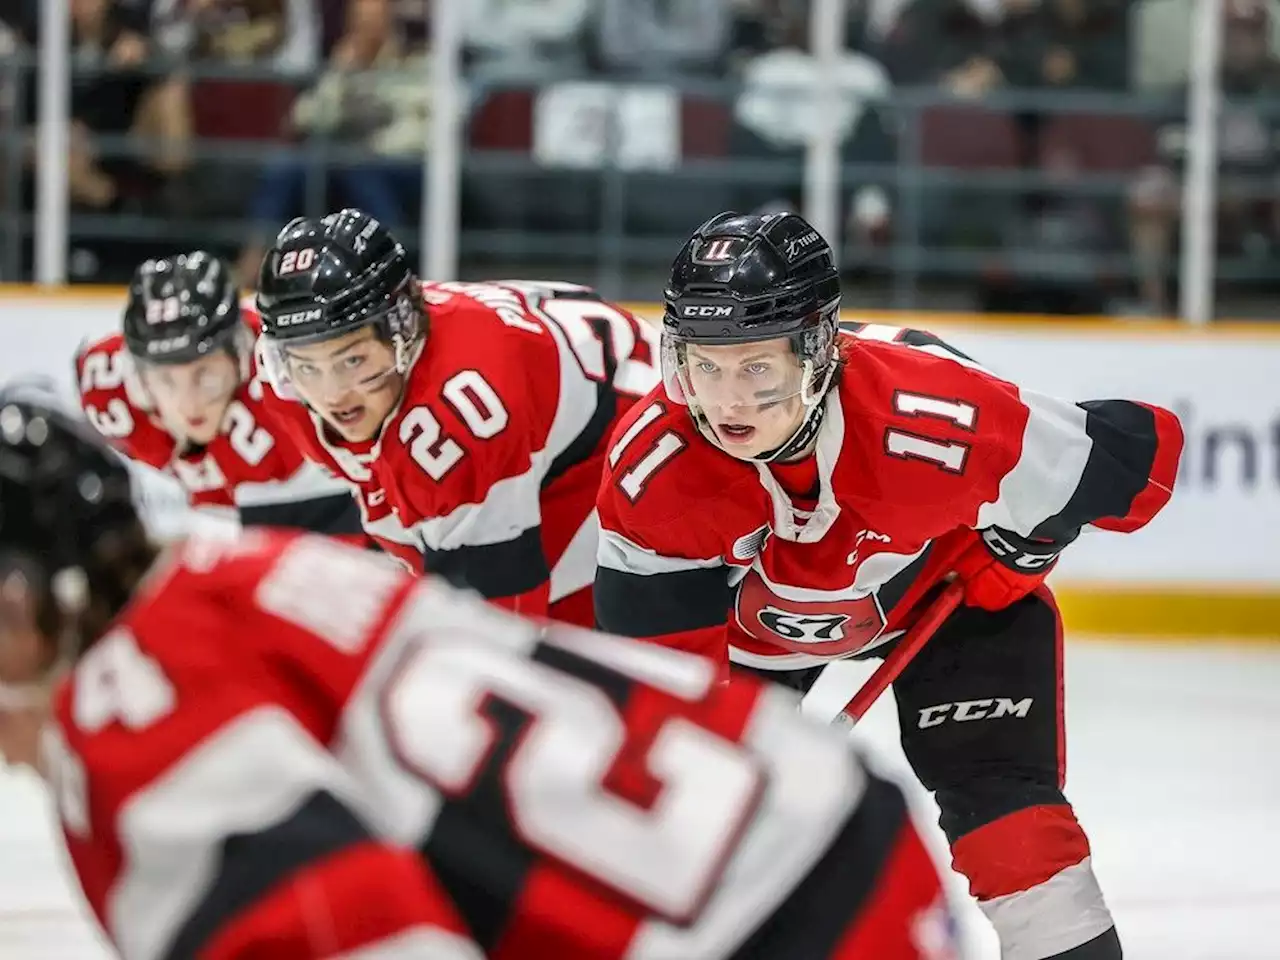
{"x": 169, "y": 344}
{"x": 705, "y": 310}
{"x": 301, "y": 316}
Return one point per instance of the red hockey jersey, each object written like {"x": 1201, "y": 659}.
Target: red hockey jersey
{"x": 487, "y": 470}
{"x": 288, "y": 748}
{"x": 919, "y": 446}
{"x": 251, "y": 467}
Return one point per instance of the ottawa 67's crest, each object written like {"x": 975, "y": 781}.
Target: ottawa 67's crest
{"x": 830, "y": 627}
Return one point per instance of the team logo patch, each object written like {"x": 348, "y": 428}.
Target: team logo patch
{"x": 825, "y": 628}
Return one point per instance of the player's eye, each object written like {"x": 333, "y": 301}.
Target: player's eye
{"x": 352, "y": 362}
{"x": 706, "y": 366}
{"x": 757, "y": 368}
{"x": 305, "y": 369}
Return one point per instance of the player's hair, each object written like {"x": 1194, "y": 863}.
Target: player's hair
{"x": 114, "y": 569}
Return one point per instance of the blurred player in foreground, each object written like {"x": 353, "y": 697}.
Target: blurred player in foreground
{"x": 473, "y": 416}
{"x": 176, "y": 390}
{"x": 795, "y": 494}
{"x": 283, "y": 747}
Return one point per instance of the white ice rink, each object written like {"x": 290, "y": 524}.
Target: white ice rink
{"x": 1174, "y": 768}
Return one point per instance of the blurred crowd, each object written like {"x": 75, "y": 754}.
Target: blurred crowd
{"x": 1047, "y": 136}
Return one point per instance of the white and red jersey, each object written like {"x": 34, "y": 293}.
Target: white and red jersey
{"x": 785, "y": 566}
{"x": 251, "y": 467}
{"x": 487, "y": 470}
{"x": 285, "y": 747}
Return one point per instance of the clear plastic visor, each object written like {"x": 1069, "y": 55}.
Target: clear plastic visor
{"x": 188, "y": 390}
{"x": 325, "y": 371}
{"x": 734, "y": 382}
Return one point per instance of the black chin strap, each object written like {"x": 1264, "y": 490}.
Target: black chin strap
{"x": 801, "y": 439}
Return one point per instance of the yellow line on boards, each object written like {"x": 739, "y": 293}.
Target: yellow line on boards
{"x": 1163, "y": 612}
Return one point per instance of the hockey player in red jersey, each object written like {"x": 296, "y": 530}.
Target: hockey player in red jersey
{"x": 282, "y": 747}
{"x": 795, "y": 494}
{"x": 176, "y": 390}
{"x": 473, "y": 416}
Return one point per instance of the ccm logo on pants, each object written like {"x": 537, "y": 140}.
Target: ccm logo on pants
{"x": 988, "y": 709}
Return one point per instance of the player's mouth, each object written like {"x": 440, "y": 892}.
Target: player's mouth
{"x": 197, "y": 422}
{"x": 348, "y": 416}
{"x": 736, "y": 432}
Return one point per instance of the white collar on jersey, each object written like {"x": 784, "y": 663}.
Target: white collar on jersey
{"x": 786, "y": 515}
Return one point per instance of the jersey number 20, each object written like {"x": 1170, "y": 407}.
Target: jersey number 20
{"x": 479, "y": 406}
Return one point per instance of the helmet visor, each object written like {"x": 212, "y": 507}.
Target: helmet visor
{"x": 187, "y": 388}
{"x": 734, "y": 383}
{"x": 319, "y": 372}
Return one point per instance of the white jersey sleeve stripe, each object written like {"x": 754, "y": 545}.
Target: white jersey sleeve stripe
{"x": 576, "y": 568}
{"x": 618, "y": 553}
{"x": 251, "y": 774}
{"x": 1055, "y": 450}
{"x": 425, "y": 943}
{"x": 510, "y": 507}
{"x": 309, "y": 481}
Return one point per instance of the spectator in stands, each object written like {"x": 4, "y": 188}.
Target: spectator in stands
{"x": 113, "y": 94}
{"x": 1066, "y": 44}
{"x": 519, "y": 36}
{"x": 947, "y": 43}
{"x": 779, "y": 108}
{"x": 282, "y": 33}
{"x": 973, "y": 48}
{"x": 1248, "y": 163}
{"x": 659, "y": 37}
{"x": 374, "y": 96}
{"x": 1162, "y": 30}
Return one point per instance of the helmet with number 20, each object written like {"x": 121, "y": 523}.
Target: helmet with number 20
{"x": 342, "y": 318}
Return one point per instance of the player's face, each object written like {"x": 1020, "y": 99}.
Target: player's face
{"x": 749, "y": 393}
{"x": 25, "y": 661}
{"x": 192, "y": 397}
{"x": 351, "y": 381}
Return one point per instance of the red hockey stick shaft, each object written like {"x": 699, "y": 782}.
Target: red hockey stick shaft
{"x": 907, "y": 648}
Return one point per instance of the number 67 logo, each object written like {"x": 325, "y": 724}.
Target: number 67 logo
{"x": 801, "y": 628}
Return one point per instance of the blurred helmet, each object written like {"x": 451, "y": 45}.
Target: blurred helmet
{"x": 67, "y": 517}
{"x": 183, "y": 308}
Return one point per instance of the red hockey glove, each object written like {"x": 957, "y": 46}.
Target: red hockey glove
{"x": 1003, "y": 567}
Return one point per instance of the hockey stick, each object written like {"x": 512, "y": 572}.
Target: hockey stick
{"x": 907, "y": 648}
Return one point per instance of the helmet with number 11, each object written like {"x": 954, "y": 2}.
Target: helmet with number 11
{"x": 749, "y": 333}
{"x": 342, "y": 319}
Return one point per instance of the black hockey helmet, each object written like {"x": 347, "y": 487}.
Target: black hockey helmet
{"x": 330, "y": 277}
{"x": 327, "y": 277}
{"x": 183, "y": 308}
{"x": 67, "y": 515}
{"x": 746, "y": 278}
